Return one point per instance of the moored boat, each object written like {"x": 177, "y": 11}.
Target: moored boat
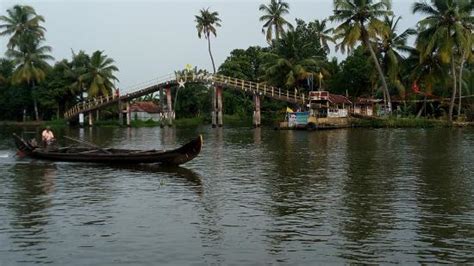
{"x": 177, "y": 156}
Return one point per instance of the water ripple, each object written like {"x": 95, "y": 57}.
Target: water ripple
{"x": 252, "y": 196}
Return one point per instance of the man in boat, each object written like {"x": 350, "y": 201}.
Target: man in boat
{"x": 48, "y": 137}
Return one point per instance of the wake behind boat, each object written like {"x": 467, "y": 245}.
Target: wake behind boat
{"x": 178, "y": 156}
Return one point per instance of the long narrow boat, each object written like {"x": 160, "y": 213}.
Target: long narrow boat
{"x": 177, "y": 156}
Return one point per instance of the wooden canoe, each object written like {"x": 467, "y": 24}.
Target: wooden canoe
{"x": 177, "y": 156}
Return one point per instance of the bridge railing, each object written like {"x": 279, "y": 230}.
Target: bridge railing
{"x": 140, "y": 89}
{"x": 99, "y": 101}
{"x": 261, "y": 89}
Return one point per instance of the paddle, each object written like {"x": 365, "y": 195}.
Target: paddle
{"x": 88, "y": 144}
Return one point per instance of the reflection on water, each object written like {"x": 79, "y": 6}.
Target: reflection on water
{"x": 444, "y": 198}
{"x": 29, "y": 200}
{"x": 252, "y": 196}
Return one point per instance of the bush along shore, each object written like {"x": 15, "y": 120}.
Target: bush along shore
{"x": 237, "y": 120}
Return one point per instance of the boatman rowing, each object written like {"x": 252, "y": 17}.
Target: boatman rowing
{"x": 47, "y": 136}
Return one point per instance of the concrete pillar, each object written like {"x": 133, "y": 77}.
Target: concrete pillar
{"x": 219, "y": 107}
{"x": 256, "y": 112}
{"x": 162, "y": 99}
{"x": 129, "y": 114}
{"x": 214, "y": 105}
{"x": 81, "y": 119}
{"x": 169, "y": 106}
{"x": 120, "y": 112}
{"x": 90, "y": 119}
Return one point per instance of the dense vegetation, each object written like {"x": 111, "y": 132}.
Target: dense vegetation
{"x": 379, "y": 62}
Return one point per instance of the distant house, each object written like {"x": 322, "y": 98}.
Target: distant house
{"x": 145, "y": 111}
{"x": 366, "y": 106}
{"x": 324, "y": 104}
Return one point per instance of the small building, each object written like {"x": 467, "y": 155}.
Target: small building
{"x": 366, "y": 106}
{"x": 323, "y": 104}
{"x": 145, "y": 111}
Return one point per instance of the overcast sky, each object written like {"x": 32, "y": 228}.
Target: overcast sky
{"x": 148, "y": 39}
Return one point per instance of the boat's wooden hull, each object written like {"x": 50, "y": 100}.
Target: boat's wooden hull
{"x": 177, "y": 156}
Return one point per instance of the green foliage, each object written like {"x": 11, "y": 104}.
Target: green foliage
{"x": 189, "y": 122}
{"x": 447, "y": 33}
{"x": 244, "y": 64}
{"x": 22, "y": 22}
{"x": 207, "y": 23}
{"x": 194, "y": 100}
{"x": 292, "y": 61}
{"x": 360, "y": 22}
{"x": 392, "y": 46}
{"x": 99, "y": 75}
{"x": 274, "y": 23}
{"x": 237, "y": 120}
{"x": 393, "y": 122}
{"x": 312, "y": 40}
{"x": 354, "y": 75}
{"x": 237, "y": 103}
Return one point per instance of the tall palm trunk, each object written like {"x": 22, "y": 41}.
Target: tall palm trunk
{"x": 423, "y": 107}
{"x": 214, "y": 98}
{"x": 365, "y": 37}
{"x": 210, "y": 53}
{"x": 453, "y": 95}
{"x": 277, "y": 33}
{"x": 461, "y": 68}
{"x": 35, "y": 102}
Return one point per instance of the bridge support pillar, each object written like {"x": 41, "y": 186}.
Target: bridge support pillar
{"x": 90, "y": 115}
{"x": 81, "y": 119}
{"x": 128, "y": 114}
{"x": 219, "y": 106}
{"x": 169, "y": 106}
{"x": 120, "y": 115}
{"x": 256, "y": 111}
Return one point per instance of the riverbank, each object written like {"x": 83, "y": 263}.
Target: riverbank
{"x": 236, "y": 120}
{"x": 395, "y": 122}
{"x": 376, "y": 122}
{"x": 411, "y": 122}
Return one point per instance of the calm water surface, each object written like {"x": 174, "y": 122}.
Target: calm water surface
{"x": 251, "y": 197}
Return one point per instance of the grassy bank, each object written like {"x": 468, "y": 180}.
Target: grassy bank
{"x": 237, "y": 120}
{"x": 394, "y": 122}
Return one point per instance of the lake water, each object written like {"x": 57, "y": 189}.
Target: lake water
{"x": 253, "y": 196}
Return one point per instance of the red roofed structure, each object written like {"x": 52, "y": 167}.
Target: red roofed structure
{"x": 148, "y": 107}
{"x": 145, "y": 111}
{"x": 339, "y": 99}
{"x": 325, "y": 104}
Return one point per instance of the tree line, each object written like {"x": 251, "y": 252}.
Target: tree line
{"x": 379, "y": 62}
{"x": 30, "y": 85}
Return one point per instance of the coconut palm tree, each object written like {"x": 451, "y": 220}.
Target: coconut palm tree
{"x": 466, "y": 56}
{"x": 360, "y": 21}
{"x": 392, "y": 47}
{"x": 288, "y": 65}
{"x": 206, "y": 23}
{"x": 30, "y": 59}
{"x": 99, "y": 75}
{"x": 21, "y": 20}
{"x": 74, "y": 72}
{"x": 426, "y": 74}
{"x": 322, "y": 32}
{"x": 444, "y": 31}
{"x": 274, "y": 23}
